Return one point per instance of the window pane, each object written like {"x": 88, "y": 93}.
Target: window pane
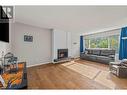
{"x": 114, "y": 42}
{"x": 103, "y": 43}
{"x": 99, "y": 43}
{"x": 93, "y": 43}
{"x": 86, "y": 43}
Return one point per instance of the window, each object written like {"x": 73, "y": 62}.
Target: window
{"x": 110, "y": 42}
{"x": 114, "y": 42}
{"x": 86, "y": 43}
{"x": 99, "y": 43}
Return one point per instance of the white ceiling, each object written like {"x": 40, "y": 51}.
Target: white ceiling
{"x": 72, "y": 18}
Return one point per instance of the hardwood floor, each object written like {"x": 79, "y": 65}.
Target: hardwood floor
{"x": 57, "y": 76}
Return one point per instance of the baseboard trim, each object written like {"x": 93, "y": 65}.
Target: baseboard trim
{"x": 44, "y": 63}
{"x": 38, "y": 64}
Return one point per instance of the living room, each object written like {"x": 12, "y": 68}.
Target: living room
{"x": 65, "y": 47}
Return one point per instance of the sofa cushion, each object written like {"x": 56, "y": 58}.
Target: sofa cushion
{"x": 102, "y": 57}
{"x": 112, "y": 56}
{"x": 91, "y": 55}
{"x": 107, "y": 52}
{"x": 96, "y": 52}
{"x": 90, "y": 52}
{"x": 112, "y": 52}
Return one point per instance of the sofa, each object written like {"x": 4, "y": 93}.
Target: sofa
{"x": 98, "y": 55}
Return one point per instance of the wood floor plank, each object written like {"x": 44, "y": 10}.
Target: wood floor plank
{"x": 57, "y": 76}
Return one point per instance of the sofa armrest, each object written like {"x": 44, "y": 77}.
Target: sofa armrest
{"x": 125, "y": 65}
{"x": 112, "y": 56}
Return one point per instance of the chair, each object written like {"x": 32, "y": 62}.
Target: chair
{"x": 10, "y": 63}
{"x": 119, "y": 68}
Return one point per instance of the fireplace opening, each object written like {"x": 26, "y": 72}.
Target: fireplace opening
{"x": 62, "y": 53}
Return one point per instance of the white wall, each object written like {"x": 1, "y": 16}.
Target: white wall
{"x": 69, "y": 43}
{"x": 4, "y": 47}
{"x": 36, "y": 52}
{"x": 75, "y": 45}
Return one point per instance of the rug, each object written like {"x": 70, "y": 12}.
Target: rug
{"x": 82, "y": 69}
{"x": 104, "y": 79}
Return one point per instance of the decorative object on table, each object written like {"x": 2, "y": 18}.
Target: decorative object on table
{"x": 119, "y": 68}
{"x": 28, "y": 38}
{"x": 10, "y": 63}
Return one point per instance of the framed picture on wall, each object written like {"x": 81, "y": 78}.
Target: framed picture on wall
{"x": 28, "y": 38}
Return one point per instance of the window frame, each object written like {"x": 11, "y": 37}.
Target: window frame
{"x": 108, "y": 38}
